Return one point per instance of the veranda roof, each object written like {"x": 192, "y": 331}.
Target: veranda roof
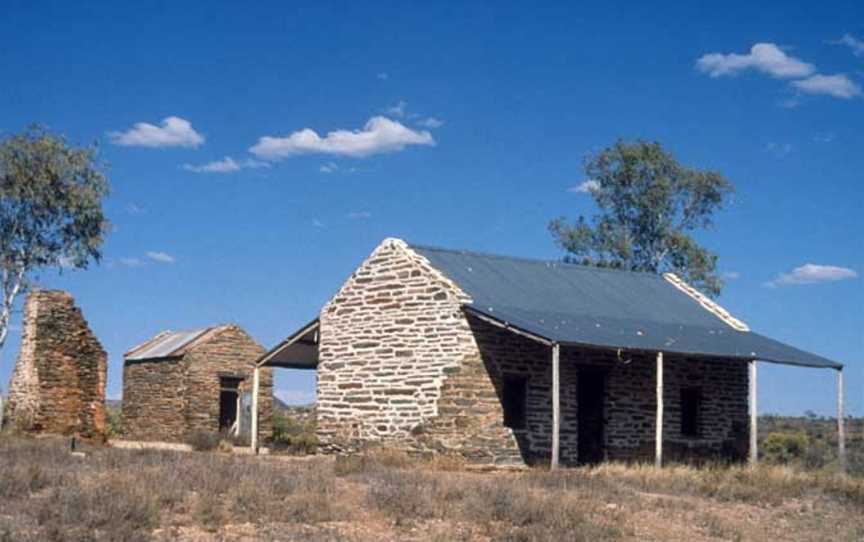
{"x": 588, "y": 306}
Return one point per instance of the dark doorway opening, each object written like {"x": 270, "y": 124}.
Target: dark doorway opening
{"x": 229, "y": 394}
{"x": 590, "y": 399}
{"x": 514, "y": 398}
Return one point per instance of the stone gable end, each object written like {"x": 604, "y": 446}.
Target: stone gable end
{"x": 389, "y": 338}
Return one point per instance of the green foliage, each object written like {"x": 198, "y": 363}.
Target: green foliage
{"x": 115, "y": 421}
{"x": 294, "y": 435}
{"x": 50, "y": 209}
{"x": 784, "y": 448}
{"x": 649, "y": 203}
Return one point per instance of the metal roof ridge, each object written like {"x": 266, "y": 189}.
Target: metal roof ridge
{"x": 708, "y": 304}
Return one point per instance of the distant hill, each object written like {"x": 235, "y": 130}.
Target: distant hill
{"x": 278, "y": 404}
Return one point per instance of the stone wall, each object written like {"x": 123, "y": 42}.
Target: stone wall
{"x": 388, "y": 339}
{"x": 230, "y": 352}
{"x": 401, "y": 364}
{"x": 58, "y": 385}
{"x": 471, "y": 418}
{"x": 167, "y": 399}
{"x": 154, "y": 400}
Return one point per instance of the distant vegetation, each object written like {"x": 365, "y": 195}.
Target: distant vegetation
{"x": 810, "y": 442}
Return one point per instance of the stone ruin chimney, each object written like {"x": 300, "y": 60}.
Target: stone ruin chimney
{"x": 58, "y": 385}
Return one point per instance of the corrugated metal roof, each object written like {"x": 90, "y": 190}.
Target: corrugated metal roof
{"x": 165, "y": 344}
{"x": 575, "y": 304}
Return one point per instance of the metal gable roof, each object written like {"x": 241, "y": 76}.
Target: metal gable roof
{"x": 574, "y": 304}
{"x": 165, "y": 344}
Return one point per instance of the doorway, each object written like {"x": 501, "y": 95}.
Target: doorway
{"x": 590, "y": 399}
{"x": 229, "y": 396}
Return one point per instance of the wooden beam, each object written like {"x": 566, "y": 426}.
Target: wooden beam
{"x": 556, "y": 405}
{"x": 658, "y": 430}
{"x": 256, "y": 384}
{"x": 508, "y": 327}
{"x": 841, "y": 423}
{"x": 754, "y": 426}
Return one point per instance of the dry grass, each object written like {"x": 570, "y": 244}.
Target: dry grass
{"x": 46, "y": 494}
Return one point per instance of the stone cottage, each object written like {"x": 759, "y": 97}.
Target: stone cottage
{"x": 510, "y": 360}
{"x": 180, "y": 382}
{"x": 58, "y": 385}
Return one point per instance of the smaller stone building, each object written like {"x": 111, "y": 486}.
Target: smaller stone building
{"x": 181, "y": 382}
{"x": 58, "y": 385}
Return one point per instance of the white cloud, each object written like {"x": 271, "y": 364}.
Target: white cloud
{"x": 173, "y": 132}
{"x": 130, "y": 262}
{"x": 397, "y": 110}
{"x": 731, "y": 275}
{"x": 825, "y": 137}
{"x": 763, "y": 57}
{"x": 779, "y": 150}
{"x": 329, "y": 167}
{"x": 379, "y": 135}
{"x": 856, "y": 45}
{"x": 811, "y": 274}
{"x": 838, "y": 86}
{"x": 585, "y": 187}
{"x": 383, "y": 76}
{"x": 360, "y": 215}
{"x": 161, "y": 257}
{"x": 431, "y": 122}
{"x": 134, "y": 209}
{"x": 295, "y": 397}
{"x": 317, "y": 223}
{"x": 226, "y": 165}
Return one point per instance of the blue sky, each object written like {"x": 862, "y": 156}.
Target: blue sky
{"x": 461, "y": 126}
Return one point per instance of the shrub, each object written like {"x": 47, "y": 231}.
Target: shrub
{"x": 784, "y": 448}
{"x": 294, "y": 435}
{"x": 204, "y": 441}
{"x": 115, "y": 422}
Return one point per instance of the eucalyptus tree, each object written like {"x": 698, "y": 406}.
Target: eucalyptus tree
{"x": 51, "y": 215}
{"x": 649, "y": 207}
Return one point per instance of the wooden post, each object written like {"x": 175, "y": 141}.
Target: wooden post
{"x": 841, "y": 423}
{"x": 754, "y": 427}
{"x": 658, "y": 432}
{"x": 556, "y": 404}
{"x": 255, "y": 386}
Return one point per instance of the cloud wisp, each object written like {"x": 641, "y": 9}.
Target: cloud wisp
{"x": 812, "y": 273}
{"x": 172, "y": 132}
{"x": 379, "y": 135}
{"x": 769, "y": 59}
{"x": 854, "y": 44}
{"x": 225, "y": 165}
{"x": 161, "y": 257}
{"x": 397, "y": 110}
{"x": 431, "y": 122}
{"x": 359, "y": 215}
{"x": 585, "y": 187}
{"x": 763, "y": 57}
{"x": 838, "y": 86}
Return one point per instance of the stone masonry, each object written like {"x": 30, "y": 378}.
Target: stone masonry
{"x": 58, "y": 385}
{"x": 401, "y": 364}
{"x": 167, "y": 399}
